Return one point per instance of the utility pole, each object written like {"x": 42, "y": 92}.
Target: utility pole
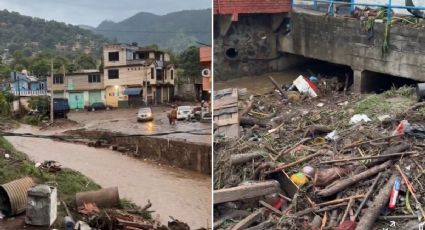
{"x": 65, "y": 83}
{"x": 51, "y": 94}
{"x": 19, "y": 91}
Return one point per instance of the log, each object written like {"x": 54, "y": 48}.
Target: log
{"x": 245, "y": 223}
{"x": 344, "y": 183}
{"x": 245, "y": 157}
{"x": 246, "y": 191}
{"x": 367, "y": 220}
{"x": 251, "y": 121}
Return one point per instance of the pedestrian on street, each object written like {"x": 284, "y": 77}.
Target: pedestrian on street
{"x": 172, "y": 116}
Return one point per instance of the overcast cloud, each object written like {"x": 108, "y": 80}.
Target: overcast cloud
{"x": 93, "y": 12}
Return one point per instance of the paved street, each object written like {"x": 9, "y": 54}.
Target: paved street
{"x": 124, "y": 121}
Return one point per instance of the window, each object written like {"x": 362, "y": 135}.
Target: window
{"x": 57, "y": 79}
{"x": 93, "y": 78}
{"x": 113, "y": 74}
{"x": 165, "y": 74}
{"x": 114, "y": 56}
{"x": 152, "y": 73}
{"x": 158, "y": 56}
{"x": 172, "y": 74}
{"x": 159, "y": 74}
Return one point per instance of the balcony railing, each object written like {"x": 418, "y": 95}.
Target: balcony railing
{"x": 28, "y": 93}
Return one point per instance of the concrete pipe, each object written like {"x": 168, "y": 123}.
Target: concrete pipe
{"x": 103, "y": 198}
{"x": 13, "y": 196}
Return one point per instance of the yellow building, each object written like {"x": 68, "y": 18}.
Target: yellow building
{"x": 137, "y": 76}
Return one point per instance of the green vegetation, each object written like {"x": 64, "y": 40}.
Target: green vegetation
{"x": 390, "y": 102}
{"x": 188, "y": 63}
{"x": 176, "y": 31}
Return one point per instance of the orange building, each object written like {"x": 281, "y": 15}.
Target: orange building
{"x": 205, "y": 61}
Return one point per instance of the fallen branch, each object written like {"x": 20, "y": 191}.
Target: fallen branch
{"x": 245, "y": 157}
{"x": 231, "y": 215}
{"x": 369, "y": 157}
{"x": 286, "y": 151}
{"x": 251, "y": 121}
{"x": 373, "y": 140}
{"x": 248, "y": 108}
{"x": 342, "y": 184}
{"x": 372, "y": 187}
{"x": 276, "y": 85}
{"x": 367, "y": 220}
{"x": 282, "y": 167}
{"x": 271, "y": 208}
{"x": 247, "y": 221}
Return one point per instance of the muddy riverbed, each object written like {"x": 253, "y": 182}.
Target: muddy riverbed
{"x": 173, "y": 192}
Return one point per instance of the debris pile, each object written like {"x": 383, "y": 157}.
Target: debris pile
{"x": 335, "y": 161}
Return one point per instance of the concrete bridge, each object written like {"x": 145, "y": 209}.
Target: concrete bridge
{"x": 344, "y": 40}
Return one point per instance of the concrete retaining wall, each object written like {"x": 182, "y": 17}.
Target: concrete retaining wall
{"x": 345, "y": 41}
{"x": 187, "y": 155}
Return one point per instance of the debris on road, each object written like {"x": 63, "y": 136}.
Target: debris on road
{"x": 297, "y": 165}
{"x": 50, "y": 166}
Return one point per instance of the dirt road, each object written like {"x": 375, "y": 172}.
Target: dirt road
{"x": 173, "y": 192}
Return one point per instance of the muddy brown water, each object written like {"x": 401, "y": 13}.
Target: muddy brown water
{"x": 260, "y": 84}
{"x": 182, "y": 194}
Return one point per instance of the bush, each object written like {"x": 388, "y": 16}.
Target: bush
{"x": 4, "y": 104}
{"x": 39, "y": 103}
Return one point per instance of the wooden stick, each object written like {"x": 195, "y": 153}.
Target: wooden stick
{"x": 247, "y": 221}
{"x": 372, "y": 187}
{"x": 398, "y": 217}
{"x": 280, "y": 168}
{"x": 336, "y": 201}
{"x": 248, "y": 108}
{"x": 271, "y": 208}
{"x": 286, "y": 151}
{"x": 350, "y": 203}
{"x": 276, "y": 85}
{"x": 342, "y": 184}
{"x": 365, "y": 142}
{"x": 368, "y": 157}
{"x": 411, "y": 190}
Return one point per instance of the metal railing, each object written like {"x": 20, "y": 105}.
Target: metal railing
{"x": 28, "y": 93}
{"x": 353, "y": 4}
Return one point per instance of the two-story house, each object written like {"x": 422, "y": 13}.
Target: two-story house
{"x": 134, "y": 75}
{"x": 25, "y": 85}
{"x": 81, "y": 88}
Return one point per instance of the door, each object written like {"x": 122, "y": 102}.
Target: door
{"x": 95, "y": 96}
{"x": 76, "y": 100}
{"x": 158, "y": 94}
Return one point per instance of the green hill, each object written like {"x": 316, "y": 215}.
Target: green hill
{"x": 176, "y": 31}
{"x": 18, "y": 31}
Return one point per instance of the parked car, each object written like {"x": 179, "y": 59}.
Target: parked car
{"x": 183, "y": 112}
{"x": 96, "y": 106}
{"x": 60, "y": 107}
{"x": 145, "y": 114}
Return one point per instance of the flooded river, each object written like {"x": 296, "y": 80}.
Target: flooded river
{"x": 173, "y": 192}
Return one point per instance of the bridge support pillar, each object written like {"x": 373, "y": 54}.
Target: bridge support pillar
{"x": 359, "y": 79}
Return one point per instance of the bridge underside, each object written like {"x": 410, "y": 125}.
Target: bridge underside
{"x": 346, "y": 41}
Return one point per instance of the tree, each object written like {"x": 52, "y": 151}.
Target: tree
{"x": 188, "y": 61}
{"x": 5, "y": 70}
{"x": 40, "y": 67}
{"x": 85, "y": 61}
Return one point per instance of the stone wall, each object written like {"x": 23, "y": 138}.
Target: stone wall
{"x": 249, "y": 46}
{"x": 182, "y": 154}
{"x": 345, "y": 41}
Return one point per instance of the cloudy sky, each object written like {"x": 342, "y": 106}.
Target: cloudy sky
{"x": 92, "y": 12}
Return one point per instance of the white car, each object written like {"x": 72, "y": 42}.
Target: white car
{"x": 183, "y": 112}
{"x": 144, "y": 114}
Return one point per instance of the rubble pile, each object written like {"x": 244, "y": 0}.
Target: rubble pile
{"x": 335, "y": 161}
